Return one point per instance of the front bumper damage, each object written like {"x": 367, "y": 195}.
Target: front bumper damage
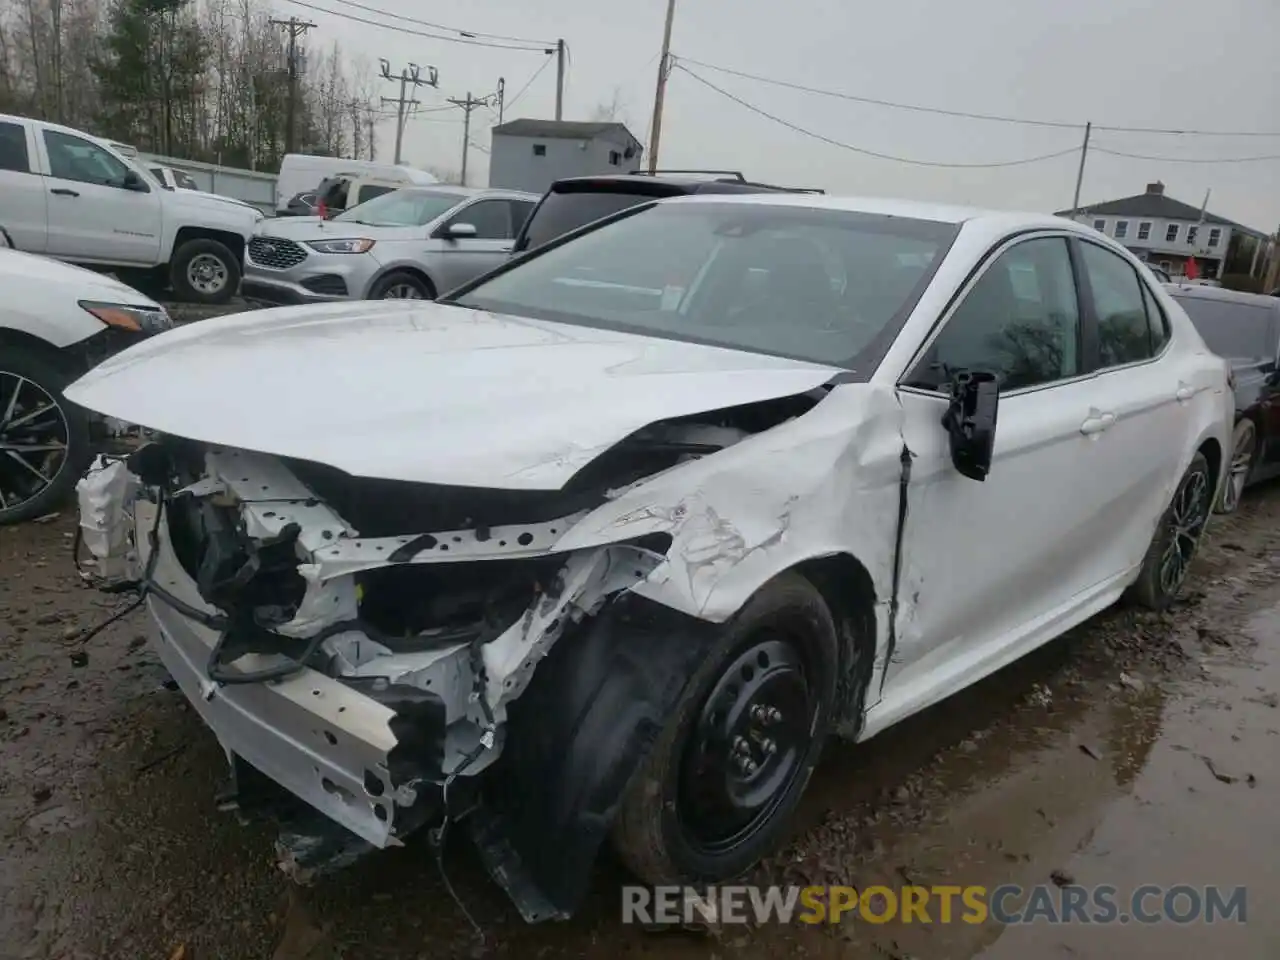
{"x": 369, "y": 726}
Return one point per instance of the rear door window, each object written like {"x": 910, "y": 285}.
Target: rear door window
{"x": 1124, "y": 334}
{"x": 520, "y": 210}
{"x": 13, "y": 148}
{"x": 560, "y": 213}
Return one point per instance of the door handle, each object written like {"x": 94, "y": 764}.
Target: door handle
{"x": 63, "y": 192}
{"x": 1098, "y": 423}
{"x": 1184, "y": 393}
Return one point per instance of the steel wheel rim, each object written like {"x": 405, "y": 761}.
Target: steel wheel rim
{"x": 749, "y": 744}
{"x": 1187, "y": 516}
{"x": 207, "y": 273}
{"x": 34, "y": 437}
{"x": 1241, "y": 460}
{"x": 402, "y": 291}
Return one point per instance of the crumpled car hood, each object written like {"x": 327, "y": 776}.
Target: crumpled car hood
{"x": 424, "y": 392}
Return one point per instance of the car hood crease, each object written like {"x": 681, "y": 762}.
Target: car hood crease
{"x": 425, "y": 392}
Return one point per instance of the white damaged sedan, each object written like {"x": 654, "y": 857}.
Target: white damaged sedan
{"x": 608, "y": 542}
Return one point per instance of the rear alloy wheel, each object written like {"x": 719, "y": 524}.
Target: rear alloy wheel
{"x": 716, "y": 792}
{"x": 1164, "y": 570}
{"x": 1244, "y": 446}
{"x": 44, "y": 441}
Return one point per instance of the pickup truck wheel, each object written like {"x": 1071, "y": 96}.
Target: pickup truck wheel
{"x": 44, "y": 440}
{"x": 716, "y": 791}
{"x": 1164, "y": 569}
{"x": 204, "y": 271}
{"x": 401, "y": 286}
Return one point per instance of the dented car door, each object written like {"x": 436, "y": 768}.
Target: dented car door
{"x": 984, "y": 560}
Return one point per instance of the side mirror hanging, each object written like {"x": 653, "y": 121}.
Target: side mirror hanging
{"x": 970, "y": 422}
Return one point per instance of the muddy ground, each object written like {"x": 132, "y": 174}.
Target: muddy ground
{"x": 1140, "y": 749}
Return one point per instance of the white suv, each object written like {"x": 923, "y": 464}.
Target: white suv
{"x": 74, "y": 197}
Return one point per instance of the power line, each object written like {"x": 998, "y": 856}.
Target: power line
{"x": 963, "y": 114}
{"x": 467, "y": 34}
{"x": 416, "y": 33}
{"x": 969, "y": 115}
{"x": 1139, "y": 156}
{"x": 871, "y": 153}
{"x": 528, "y": 83}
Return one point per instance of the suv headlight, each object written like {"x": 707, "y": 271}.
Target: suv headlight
{"x": 124, "y": 317}
{"x": 354, "y": 245}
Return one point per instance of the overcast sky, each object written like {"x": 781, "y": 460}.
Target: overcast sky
{"x": 1183, "y": 64}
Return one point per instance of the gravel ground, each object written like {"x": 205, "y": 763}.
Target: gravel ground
{"x": 1140, "y": 748}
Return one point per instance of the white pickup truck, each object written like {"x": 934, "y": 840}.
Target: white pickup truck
{"x": 72, "y": 196}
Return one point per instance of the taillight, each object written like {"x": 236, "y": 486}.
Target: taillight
{"x": 322, "y": 211}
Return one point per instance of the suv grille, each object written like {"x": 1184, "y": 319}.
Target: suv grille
{"x": 276, "y": 253}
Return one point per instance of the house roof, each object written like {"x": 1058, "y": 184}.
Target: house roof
{"x": 1155, "y": 205}
{"x": 560, "y": 129}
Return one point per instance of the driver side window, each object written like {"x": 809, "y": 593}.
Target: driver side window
{"x": 491, "y": 218}
{"x": 72, "y": 158}
{"x": 1019, "y": 321}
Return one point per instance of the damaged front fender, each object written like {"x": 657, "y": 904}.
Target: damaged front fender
{"x": 575, "y": 738}
{"x": 825, "y": 484}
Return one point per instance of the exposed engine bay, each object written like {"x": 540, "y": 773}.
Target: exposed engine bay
{"x": 361, "y": 641}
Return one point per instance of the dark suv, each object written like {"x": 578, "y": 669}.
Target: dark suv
{"x": 574, "y": 202}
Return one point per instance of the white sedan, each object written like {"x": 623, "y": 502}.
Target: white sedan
{"x": 614, "y": 537}
{"x": 56, "y": 321}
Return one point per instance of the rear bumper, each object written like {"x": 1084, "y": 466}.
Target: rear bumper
{"x": 323, "y": 741}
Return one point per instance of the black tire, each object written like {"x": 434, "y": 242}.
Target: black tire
{"x": 42, "y": 380}
{"x": 385, "y": 287}
{"x": 1180, "y": 529}
{"x": 1244, "y": 450}
{"x": 664, "y": 825}
{"x": 204, "y": 271}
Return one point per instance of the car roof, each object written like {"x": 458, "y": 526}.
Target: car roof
{"x": 648, "y": 184}
{"x": 907, "y": 209}
{"x": 468, "y": 192}
{"x": 1199, "y": 291}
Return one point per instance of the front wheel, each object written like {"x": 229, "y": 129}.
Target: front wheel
{"x": 715, "y": 794}
{"x": 44, "y": 440}
{"x": 1164, "y": 569}
{"x": 1244, "y": 445}
{"x": 204, "y": 271}
{"x": 399, "y": 285}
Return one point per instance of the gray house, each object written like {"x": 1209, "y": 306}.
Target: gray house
{"x": 1165, "y": 231}
{"x": 530, "y": 154}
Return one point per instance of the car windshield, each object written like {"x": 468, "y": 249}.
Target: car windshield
{"x": 403, "y": 208}
{"x": 1242, "y": 331}
{"x": 813, "y": 284}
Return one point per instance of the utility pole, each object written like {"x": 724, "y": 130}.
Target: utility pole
{"x": 467, "y": 106}
{"x": 410, "y": 74}
{"x": 295, "y": 29}
{"x": 1084, "y": 153}
{"x": 560, "y": 78}
{"x": 357, "y": 126}
{"x": 502, "y": 96}
{"x": 660, "y": 92}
